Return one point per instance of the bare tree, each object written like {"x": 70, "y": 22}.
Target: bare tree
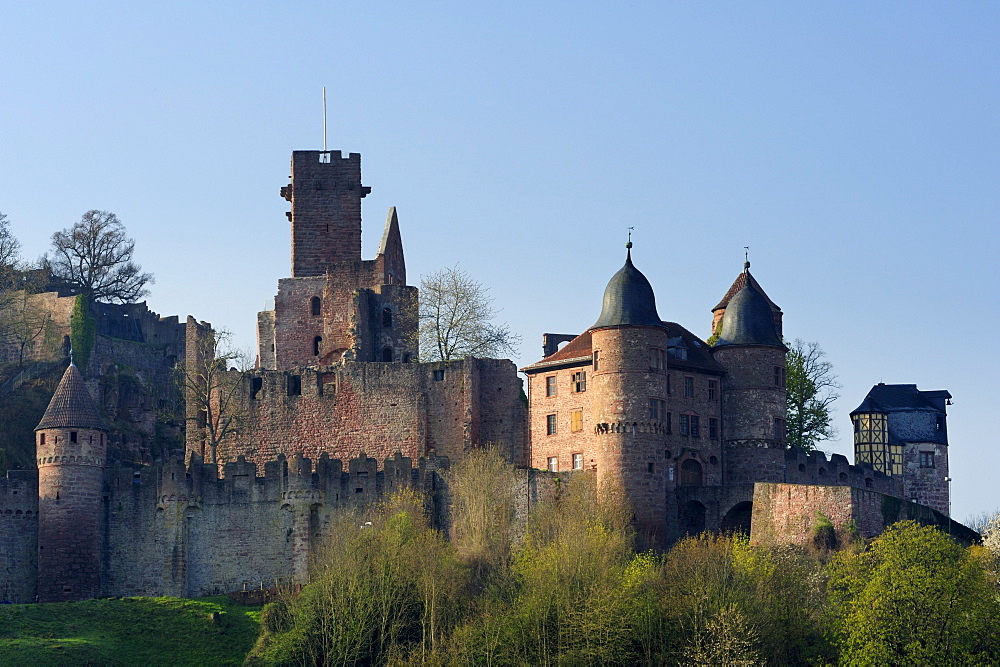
{"x": 214, "y": 384}
{"x": 23, "y": 320}
{"x": 456, "y": 319}
{"x": 95, "y": 255}
{"x": 811, "y": 390}
{"x": 10, "y": 249}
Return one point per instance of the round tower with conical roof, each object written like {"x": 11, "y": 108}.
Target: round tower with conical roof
{"x": 71, "y": 445}
{"x": 751, "y": 351}
{"x": 629, "y": 370}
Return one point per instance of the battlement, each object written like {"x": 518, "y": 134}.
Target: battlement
{"x": 814, "y": 468}
{"x": 360, "y": 481}
{"x": 19, "y": 493}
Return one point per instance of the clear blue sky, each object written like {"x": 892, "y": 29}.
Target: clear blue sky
{"x": 852, "y": 146}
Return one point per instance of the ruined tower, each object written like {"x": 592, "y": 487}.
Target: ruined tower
{"x": 336, "y": 305}
{"x": 626, "y": 341}
{"x": 750, "y": 350}
{"x": 71, "y": 446}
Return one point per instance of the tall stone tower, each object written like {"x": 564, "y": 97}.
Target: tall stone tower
{"x": 629, "y": 444}
{"x": 325, "y": 192}
{"x": 750, "y": 350}
{"x": 336, "y": 306}
{"x": 71, "y": 446}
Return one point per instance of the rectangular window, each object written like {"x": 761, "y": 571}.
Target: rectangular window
{"x": 779, "y": 429}
{"x": 294, "y": 385}
{"x": 550, "y": 425}
{"x": 689, "y": 387}
{"x": 657, "y": 359}
{"x": 713, "y": 428}
{"x": 438, "y": 375}
{"x": 657, "y": 409}
{"x": 72, "y": 436}
{"x": 667, "y": 421}
{"x": 711, "y": 390}
{"x": 576, "y": 421}
{"x": 550, "y": 385}
{"x": 256, "y": 384}
{"x": 695, "y": 427}
{"x": 553, "y": 464}
{"x": 597, "y": 360}
{"x": 926, "y": 459}
{"x": 580, "y": 381}
{"x": 578, "y": 462}
{"x": 668, "y": 384}
{"x": 779, "y": 376}
{"x": 684, "y": 424}
{"x": 649, "y": 467}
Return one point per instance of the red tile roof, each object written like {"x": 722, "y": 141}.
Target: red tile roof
{"x": 738, "y": 284}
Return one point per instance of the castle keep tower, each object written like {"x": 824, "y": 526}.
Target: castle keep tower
{"x": 71, "y": 447}
{"x": 325, "y": 192}
{"x": 336, "y": 305}
{"x": 749, "y": 348}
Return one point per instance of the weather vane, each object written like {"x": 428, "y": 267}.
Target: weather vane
{"x": 629, "y": 244}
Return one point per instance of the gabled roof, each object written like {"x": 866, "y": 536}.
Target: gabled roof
{"x": 579, "y": 351}
{"x": 738, "y": 284}
{"x": 72, "y": 405}
{"x": 901, "y": 397}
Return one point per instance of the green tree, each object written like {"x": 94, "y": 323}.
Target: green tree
{"x": 915, "y": 597}
{"x": 456, "y": 319}
{"x": 811, "y": 390}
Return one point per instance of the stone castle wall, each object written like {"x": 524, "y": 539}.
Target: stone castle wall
{"x": 380, "y": 408}
{"x": 19, "y": 536}
{"x": 789, "y": 513}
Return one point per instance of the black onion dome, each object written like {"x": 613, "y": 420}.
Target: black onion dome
{"x": 71, "y": 405}
{"x": 748, "y": 320}
{"x": 628, "y": 300}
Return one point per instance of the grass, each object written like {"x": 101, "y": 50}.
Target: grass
{"x": 128, "y": 631}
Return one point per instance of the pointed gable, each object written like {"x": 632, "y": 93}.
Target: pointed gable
{"x": 390, "y": 251}
{"x": 72, "y": 405}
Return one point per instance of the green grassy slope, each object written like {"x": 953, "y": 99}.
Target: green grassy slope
{"x": 128, "y": 631}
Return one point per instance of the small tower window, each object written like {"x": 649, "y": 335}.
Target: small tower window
{"x": 294, "y": 385}
{"x": 41, "y": 438}
{"x": 387, "y": 318}
{"x": 72, "y": 436}
{"x": 926, "y": 459}
{"x": 387, "y": 354}
{"x": 597, "y": 360}
{"x": 256, "y": 384}
{"x": 316, "y": 341}
{"x": 316, "y": 305}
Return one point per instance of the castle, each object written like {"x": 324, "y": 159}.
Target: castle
{"x": 339, "y": 412}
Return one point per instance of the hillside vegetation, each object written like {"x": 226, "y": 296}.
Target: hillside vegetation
{"x": 128, "y": 631}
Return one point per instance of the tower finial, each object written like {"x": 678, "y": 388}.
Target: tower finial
{"x": 629, "y": 244}
{"x": 746, "y": 255}
{"x": 71, "y": 361}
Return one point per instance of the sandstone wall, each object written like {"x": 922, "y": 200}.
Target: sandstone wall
{"x": 19, "y": 536}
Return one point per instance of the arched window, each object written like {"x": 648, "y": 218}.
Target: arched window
{"x": 387, "y": 354}
{"x": 316, "y": 341}
{"x": 316, "y": 305}
{"x": 386, "y": 317}
{"x": 690, "y": 473}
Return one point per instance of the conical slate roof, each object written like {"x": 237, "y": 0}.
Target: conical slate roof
{"x": 71, "y": 406}
{"x": 748, "y": 320}
{"x": 628, "y": 299}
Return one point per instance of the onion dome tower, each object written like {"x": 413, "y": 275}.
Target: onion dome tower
{"x": 71, "y": 445}
{"x": 749, "y": 348}
{"x": 625, "y": 340}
